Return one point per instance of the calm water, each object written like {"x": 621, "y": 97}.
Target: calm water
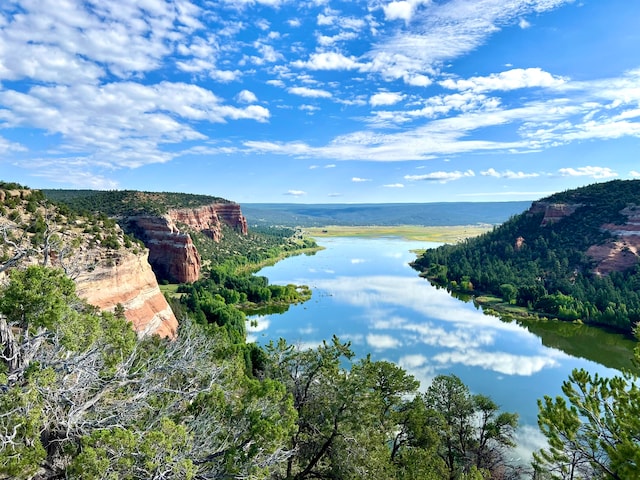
{"x": 364, "y": 291}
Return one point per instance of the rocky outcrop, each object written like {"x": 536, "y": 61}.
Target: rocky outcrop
{"x": 623, "y": 251}
{"x": 553, "y": 212}
{"x": 172, "y": 253}
{"x": 129, "y": 280}
{"x": 208, "y": 219}
{"x": 107, "y": 268}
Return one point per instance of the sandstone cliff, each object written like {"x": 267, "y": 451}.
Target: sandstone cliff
{"x": 172, "y": 253}
{"x": 553, "y": 212}
{"x": 129, "y": 280}
{"x": 623, "y": 251}
{"x": 107, "y": 267}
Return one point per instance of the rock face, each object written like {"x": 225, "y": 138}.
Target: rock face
{"x": 107, "y": 268}
{"x": 130, "y": 281}
{"x": 623, "y": 251}
{"x": 620, "y": 253}
{"x": 172, "y": 254}
{"x": 553, "y": 212}
{"x": 208, "y": 219}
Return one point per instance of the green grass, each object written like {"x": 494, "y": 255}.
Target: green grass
{"x": 441, "y": 234}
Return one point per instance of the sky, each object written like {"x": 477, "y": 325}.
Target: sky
{"x": 321, "y": 101}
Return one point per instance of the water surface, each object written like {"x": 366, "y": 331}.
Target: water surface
{"x": 364, "y": 291}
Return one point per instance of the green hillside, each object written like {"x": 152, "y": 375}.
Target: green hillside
{"x": 116, "y": 203}
{"x": 550, "y": 272}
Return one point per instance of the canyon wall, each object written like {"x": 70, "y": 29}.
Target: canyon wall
{"x": 128, "y": 279}
{"x": 553, "y": 212}
{"x": 172, "y": 254}
{"x": 623, "y": 251}
{"x": 618, "y": 254}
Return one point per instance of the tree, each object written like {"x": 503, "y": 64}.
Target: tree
{"x": 347, "y": 417}
{"x": 597, "y": 433}
{"x": 474, "y": 434}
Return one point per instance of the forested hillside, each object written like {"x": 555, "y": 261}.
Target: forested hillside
{"x": 544, "y": 259}
{"x": 116, "y": 203}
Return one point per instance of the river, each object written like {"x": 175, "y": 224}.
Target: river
{"x": 365, "y": 291}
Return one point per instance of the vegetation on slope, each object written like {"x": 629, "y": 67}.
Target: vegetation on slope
{"x": 119, "y": 203}
{"x": 550, "y": 272}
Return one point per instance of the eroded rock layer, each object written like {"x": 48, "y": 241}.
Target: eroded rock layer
{"x": 623, "y": 251}
{"x": 129, "y": 280}
{"x": 553, "y": 212}
{"x": 172, "y": 254}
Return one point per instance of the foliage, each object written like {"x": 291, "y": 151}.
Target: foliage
{"x": 117, "y": 203}
{"x": 86, "y": 399}
{"x": 366, "y": 419}
{"x": 596, "y": 434}
{"x": 550, "y": 271}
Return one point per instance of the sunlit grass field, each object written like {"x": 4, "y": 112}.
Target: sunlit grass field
{"x": 441, "y": 234}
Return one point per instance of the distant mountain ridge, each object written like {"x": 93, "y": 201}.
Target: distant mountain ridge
{"x": 573, "y": 255}
{"x": 383, "y": 214}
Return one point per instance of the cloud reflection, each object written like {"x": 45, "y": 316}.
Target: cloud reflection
{"x": 501, "y": 362}
{"x": 460, "y": 335}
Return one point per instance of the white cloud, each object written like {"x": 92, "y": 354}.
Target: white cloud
{"x": 359, "y": 180}
{"x": 121, "y": 124}
{"x": 296, "y": 193}
{"x": 246, "y": 96}
{"x": 401, "y": 10}
{"x": 327, "y": 41}
{"x": 294, "y": 22}
{"x": 385, "y": 98}
{"x": 394, "y": 185}
{"x": 594, "y": 172}
{"x": 442, "y": 177}
{"x": 491, "y": 172}
{"x": 328, "y": 61}
{"x": 225, "y": 76}
{"x": 412, "y": 361}
{"x": 309, "y": 92}
{"x": 501, "y": 362}
{"x": 634, "y": 174}
{"x": 509, "y": 80}
{"x": 445, "y": 31}
{"x": 524, "y": 24}
{"x": 382, "y": 342}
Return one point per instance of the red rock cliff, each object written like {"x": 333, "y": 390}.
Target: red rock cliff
{"x": 208, "y": 219}
{"x": 623, "y": 251}
{"x": 129, "y": 280}
{"x": 553, "y": 212}
{"x": 172, "y": 254}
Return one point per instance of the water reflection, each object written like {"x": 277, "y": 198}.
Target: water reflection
{"x": 365, "y": 292}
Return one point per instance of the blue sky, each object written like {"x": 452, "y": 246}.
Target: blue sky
{"x": 321, "y": 101}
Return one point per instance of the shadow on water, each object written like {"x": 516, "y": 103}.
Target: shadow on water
{"x": 611, "y": 349}
{"x": 596, "y": 344}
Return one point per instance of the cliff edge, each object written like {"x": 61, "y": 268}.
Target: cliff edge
{"x": 172, "y": 253}
{"x": 106, "y": 265}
